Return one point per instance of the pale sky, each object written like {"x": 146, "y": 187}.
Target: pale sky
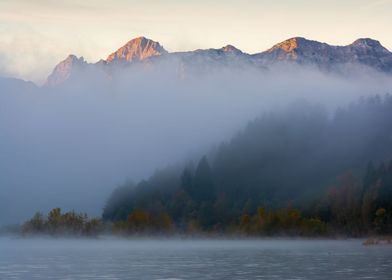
{"x": 36, "y": 34}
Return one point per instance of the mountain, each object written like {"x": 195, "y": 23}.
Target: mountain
{"x": 141, "y": 50}
{"x": 16, "y": 85}
{"x": 136, "y": 50}
{"x": 65, "y": 69}
{"x": 363, "y": 51}
{"x": 205, "y": 61}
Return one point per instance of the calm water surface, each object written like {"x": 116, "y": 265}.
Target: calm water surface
{"x": 190, "y": 259}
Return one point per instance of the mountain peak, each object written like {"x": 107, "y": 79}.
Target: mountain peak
{"x": 137, "y": 49}
{"x": 230, "y": 49}
{"x": 367, "y": 44}
{"x": 73, "y": 59}
{"x": 63, "y": 70}
{"x": 292, "y": 44}
{"x": 364, "y": 51}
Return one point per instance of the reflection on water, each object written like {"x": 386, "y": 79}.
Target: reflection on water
{"x": 190, "y": 259}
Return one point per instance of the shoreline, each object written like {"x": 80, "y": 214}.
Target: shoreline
{"x": 365, "y": 240}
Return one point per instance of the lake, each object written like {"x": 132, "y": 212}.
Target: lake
{"x": 192, "y": 259}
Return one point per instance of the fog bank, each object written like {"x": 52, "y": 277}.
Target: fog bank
{"x": 69, "y": 146}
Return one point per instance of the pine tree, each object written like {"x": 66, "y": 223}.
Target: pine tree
{"x": 203, "y": 186}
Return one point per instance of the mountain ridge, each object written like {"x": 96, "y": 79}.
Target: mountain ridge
{"x": 363, "y": 51}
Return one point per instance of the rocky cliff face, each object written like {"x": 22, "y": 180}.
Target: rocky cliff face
{"x": 366, "y": 52}
{"x": 136, "y": 50}
{"x": 65, "y": 69}
{"x": 372, "y": 53}
{"x": 363, "y": 51}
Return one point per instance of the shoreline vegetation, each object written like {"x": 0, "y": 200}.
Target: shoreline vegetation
{"x": 78, "y": 225}
{"x": 288, "y": 224}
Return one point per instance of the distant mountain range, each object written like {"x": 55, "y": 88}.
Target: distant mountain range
{"x": 143, "y": 51}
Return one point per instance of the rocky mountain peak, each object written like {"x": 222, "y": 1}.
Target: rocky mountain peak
{"x": 64, "y": 69}
{"x": 364, "y": 51}
{"x": 366, "y": 42}
{"x": 71, "y": 59}
{"x": 231, "y": 49}
{"x": 368, "y": 45}
{"x": 137, "y": 49}
{"x": 291, "y": 44}
{"x": 293, "y": 49}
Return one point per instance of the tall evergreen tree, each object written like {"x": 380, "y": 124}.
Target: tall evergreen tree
{"x": 203, "y": 185}
{"x": 187, "y": 180}
{"x": 370, "y": 176}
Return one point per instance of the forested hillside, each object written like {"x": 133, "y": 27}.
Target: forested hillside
{"x": 297, "y": 170}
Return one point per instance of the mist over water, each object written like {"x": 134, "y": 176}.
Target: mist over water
{"x": 70, "y": 146}
{"x": 196, "y": 259}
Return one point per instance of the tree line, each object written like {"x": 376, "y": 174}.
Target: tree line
{"x": 295, "y": 171}
{"x": 305, "y": 168}
{"x": 58, "y": 223}
{"x": 351, "y": 207}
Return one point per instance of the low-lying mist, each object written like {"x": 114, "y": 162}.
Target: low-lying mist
{"x": 69, "y": 146}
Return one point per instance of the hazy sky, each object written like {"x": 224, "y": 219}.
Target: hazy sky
{"x": 36, "y": 34}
